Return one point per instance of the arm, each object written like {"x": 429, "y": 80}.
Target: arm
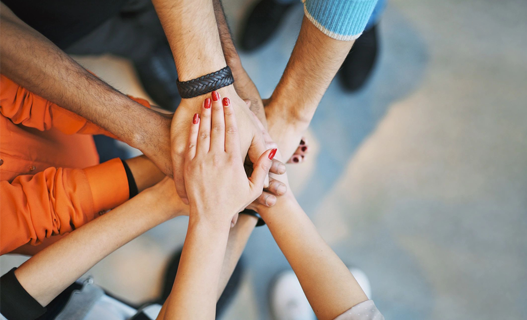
{"x": 329, "y": 286}
{"x": 49, "y": 272}
{"x": 59, "y": 200}
{"x": 53, "y": 75}
{"x": 242, "y": 82}
{"x": 30, "y": 110}
{"x": 218, "y": 189}
{"x": 192, "y": 32}
{"x": 314, "y": 62}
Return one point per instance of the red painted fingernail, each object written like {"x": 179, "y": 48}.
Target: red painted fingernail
{"x": 215, "y": 96}
{"x": 304, "y": 149}
{"x": 207, "y": 103}
{"x": 295, "y": 159}
{"x": 271, "y": 154}
{"x": 195, "y": 119}
{"x": 226, "y": 102}
{"x": 302, "y": 142}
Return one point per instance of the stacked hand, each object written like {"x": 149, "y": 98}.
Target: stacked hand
{"x": 250, "y": 140}
{"x": 216, "y": 184}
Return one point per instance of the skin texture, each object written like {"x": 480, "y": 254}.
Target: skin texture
{"x": 314, "y": 62}
{"x": 218, "y": 189}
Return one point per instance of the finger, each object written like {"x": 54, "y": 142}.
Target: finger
{"x": 303, "y": 142}
{"x": 296, "y": 159}
{"x": 217, "y": 132}
{"x": 277, "y": 167}
{"x": 203, "y": 145}
{"x": 302, "y": 150}
{"x": 178, "y": 161}
{"x": 277, "y": 188}
{"x": 261, "y": 169}
{"x": 193, "y": 137}
{"x": 234, "y": 220}
{"x": 232, "y": 140}
{"x": 266, "y": 199}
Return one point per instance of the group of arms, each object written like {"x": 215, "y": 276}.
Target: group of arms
{"x": 201, "y": 43}
{"x": 217, "y": 189}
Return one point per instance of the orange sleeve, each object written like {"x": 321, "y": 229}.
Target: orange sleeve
{"x": 26, "y": 108}
{"x": 57, "y": 201}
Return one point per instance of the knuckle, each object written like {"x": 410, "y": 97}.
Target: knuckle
{"x": 217, "y": 128}
{"x": 231, "y": 129}
{"x": 204, "y": 135}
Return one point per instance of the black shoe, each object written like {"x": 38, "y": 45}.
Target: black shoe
{"x": 158, "y": 76}
{"x": 226, "y": 297}
{"x": 262, "y": 23}
{"x": 360, "y": 62}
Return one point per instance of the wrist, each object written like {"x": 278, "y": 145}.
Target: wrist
{"x": 285, "y": 110}
{"x": 283, "y": 204}
{"x": 208, "y": 222}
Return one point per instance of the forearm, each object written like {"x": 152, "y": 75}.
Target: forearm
{"x": 315, "y": 60}
{"x": 145, "y": 172}
{"x": 38, "y": 65}
{"x": 325, "y": 279}
{"x": 238, "y": 237}
{"x": 190, "y": 27}
{"x": 49, "y": 272}
{"x": 194, "y": 293}
{"x": 242, "y": 82}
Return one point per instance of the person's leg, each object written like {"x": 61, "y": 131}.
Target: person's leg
{"x": 136, "y": 34}
{"x": 360, "y": 62}
{"x": 263, "y": 21}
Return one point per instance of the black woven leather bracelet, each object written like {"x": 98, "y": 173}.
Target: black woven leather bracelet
{"x": 207, "y": 83}
{"x": 255, "y": 214}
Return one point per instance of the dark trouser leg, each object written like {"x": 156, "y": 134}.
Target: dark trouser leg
{"x": 136, "y": 34}
{"x": 133, "y": 34}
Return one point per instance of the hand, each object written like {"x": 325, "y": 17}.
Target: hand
{"x": 215, "y": 180}
{"x": 250, "y": 139}
{"x": 300, "y": 153}
{"x": 287, "y": 133}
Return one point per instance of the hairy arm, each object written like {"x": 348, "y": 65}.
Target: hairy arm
{"x": 314, "y": 62}
{"x": 48, "y": 273}
{"x": 32, "y": 61}
{"x": 243, "y": 84}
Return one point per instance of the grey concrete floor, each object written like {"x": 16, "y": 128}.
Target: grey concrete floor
{"x": 420, "y": 179}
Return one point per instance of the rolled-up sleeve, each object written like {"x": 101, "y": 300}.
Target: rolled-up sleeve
{"x": 57, "y": 201}
{"x": 340, "y": 19}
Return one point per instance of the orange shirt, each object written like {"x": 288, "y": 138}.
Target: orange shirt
{"x": 51, "y": 181}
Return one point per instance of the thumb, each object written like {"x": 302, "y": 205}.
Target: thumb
{"x": 261, "y": 169}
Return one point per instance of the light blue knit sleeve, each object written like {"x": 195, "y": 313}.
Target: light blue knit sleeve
{"x": 339, "y": 19}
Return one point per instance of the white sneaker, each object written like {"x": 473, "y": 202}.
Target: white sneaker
{"x": 288, "y": 301}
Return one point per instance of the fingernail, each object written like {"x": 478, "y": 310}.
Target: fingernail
{"x": 195, "y": 119}
{"x": 272, "y": 153}
{"x": 304, "y": 149}
{"x": 215, "y": 96}
{"x": 302, "y": 142}
{"x": 295, "y": 159}
{"x": 226, "y": 102}
{"x": 207, "y": 103}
